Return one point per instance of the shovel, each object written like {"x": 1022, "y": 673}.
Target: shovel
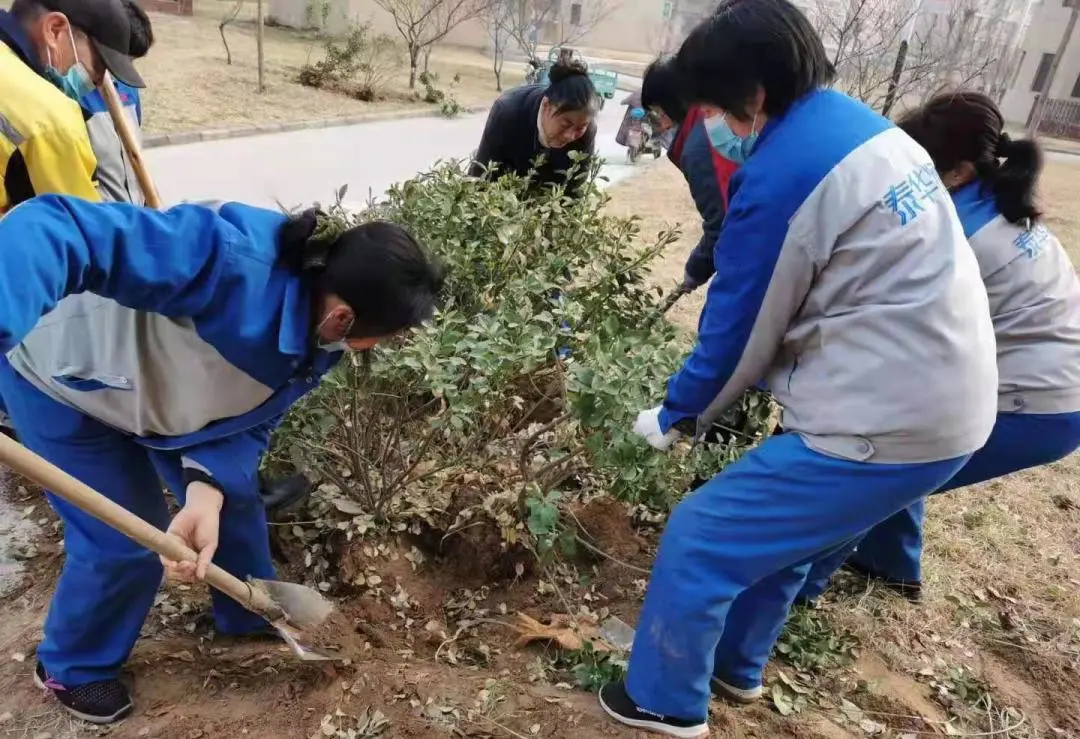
{"x": 127, "y": 138}
{"x": 291, "y": 609}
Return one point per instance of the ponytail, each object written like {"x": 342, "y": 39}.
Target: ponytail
{"x": 377, "y": 268}
{"x": 966, "y": 127}
{"x": 305, "y": 241}
{"x": 1014, "y": 180}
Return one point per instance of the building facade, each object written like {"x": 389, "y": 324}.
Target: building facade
{"x": 1048, "y": 22}
{"x": 638, "y": 26}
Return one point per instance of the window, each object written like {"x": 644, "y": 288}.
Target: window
{"x": 575, "y": 14}
{"x": 1042, "y": 72}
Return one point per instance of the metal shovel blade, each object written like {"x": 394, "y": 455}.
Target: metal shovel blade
{"x": 304, "y": 609}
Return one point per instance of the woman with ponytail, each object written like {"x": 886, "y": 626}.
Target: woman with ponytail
{"x": 1035, "y": 305}
{"x": 534, "y": 128}
{"x": 173, "y": 344}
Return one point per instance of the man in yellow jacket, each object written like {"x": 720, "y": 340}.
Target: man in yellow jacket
{"x": 52, "y": 53}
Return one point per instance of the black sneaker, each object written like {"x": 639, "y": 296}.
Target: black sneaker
{"x": 910, "y": 589}
{"x": 101, "y": 702}
{"x": 617, "y": 703}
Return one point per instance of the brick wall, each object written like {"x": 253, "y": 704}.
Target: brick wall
{"x": 176, "y": 7}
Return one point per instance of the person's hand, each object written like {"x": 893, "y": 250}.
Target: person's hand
{"x": 648, "y": 426}
{"x": 196, "y": 525}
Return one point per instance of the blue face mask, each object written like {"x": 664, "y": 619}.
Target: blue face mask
{"x": 730, "y": 146}
{"x": 76, "y": 82}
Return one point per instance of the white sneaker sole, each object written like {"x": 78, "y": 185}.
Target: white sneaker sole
{"x": 701, "y": 731}
{"x": 97, "y": 720}
{"x": 736, "y": 695}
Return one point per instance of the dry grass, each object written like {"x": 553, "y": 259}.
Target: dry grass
{"x": 1002, "y": 561}
{"x": 190, "y": 86}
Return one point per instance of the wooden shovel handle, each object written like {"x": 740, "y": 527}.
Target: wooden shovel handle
{"x": 88, "y": 500}
{"x": 131, "y": 145}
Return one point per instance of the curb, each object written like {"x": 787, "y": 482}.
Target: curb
{"x": 180, "y": 138}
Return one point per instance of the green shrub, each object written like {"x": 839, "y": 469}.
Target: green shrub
{"x": 488, "y": 392}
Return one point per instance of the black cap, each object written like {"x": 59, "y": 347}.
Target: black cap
{"x": 108, "y": 25}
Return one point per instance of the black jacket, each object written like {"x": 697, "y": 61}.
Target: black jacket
{"x": 511, "y": 141}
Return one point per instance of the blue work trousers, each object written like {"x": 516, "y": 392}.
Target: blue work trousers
{"x": 893, "y": 548}
{"x": 735, "y": 553}
{"x": 108, "y": 582}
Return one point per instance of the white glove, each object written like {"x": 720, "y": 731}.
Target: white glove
{"x": 648, "y": 426}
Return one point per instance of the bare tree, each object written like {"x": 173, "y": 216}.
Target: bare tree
{"x": 583, "y": 17}
{"x": 226, "y": 19}
{"x": 497, "y": 19}
{"x": 528, "y": 22}
{"x": 963, "y": 47}
{"x": 424, "y": 23}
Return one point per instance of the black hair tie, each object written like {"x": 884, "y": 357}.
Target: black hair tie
{"x": 309, "y": 239}
{"x": 1004, "y": 144}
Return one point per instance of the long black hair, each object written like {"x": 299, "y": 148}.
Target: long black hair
{"x": 747, "y": 44}
{"x": 967, "y": 126}
{"x": 378, "y": 269}
{"x": 569, "y": 89}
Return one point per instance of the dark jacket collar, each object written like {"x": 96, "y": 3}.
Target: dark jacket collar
{"x": 13, "y": 34}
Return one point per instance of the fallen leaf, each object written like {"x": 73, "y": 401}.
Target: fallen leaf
{"x": 565, "y": 631}
{"x": 851, "y": 711}
{"x": 793, "y": 684}
{"x": 18, "y": 656}
{"x": 6, "y": 716}
{"x": 873, "y": 728}
{"x": 183, "y": 655}
{"x": 348, "y": 507}
{"x": 784, "y": 705}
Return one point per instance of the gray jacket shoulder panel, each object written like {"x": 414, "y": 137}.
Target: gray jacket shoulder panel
{"x": 1034, "y": 298}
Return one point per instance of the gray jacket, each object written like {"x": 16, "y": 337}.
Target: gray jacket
{"x": 116, "y": 177}
{"x": 1034, "y": 298}
{"x": 843, "y": 277}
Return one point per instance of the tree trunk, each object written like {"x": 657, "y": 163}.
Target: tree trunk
{"x": 414, "y": 65}
{"x": 427, "y": 58}
{"x": 259, "y": 45}
{"x": 225, "y": 41}
{"x": 497, "y": 68}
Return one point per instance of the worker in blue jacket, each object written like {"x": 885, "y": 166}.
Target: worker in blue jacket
{"x": 171, "y": 344}
{"x": 1034, "y": 298}
{"x": 843, "y": 277}
{"x": 707, "y": 171}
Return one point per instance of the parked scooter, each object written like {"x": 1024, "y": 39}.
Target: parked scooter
{"x": 637, "y": 132}
{"x": 641, "y": 137}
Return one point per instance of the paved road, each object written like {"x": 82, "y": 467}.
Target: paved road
{"x": 301, "y": 167}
